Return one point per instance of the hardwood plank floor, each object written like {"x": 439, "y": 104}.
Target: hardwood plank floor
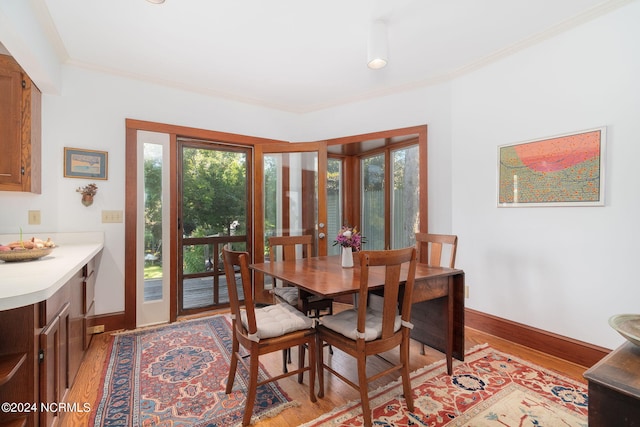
{"x": 337, "y": 393}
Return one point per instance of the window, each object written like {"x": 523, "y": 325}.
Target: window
{"x": 373, "y": 201}
{"x": 334, "y": 201}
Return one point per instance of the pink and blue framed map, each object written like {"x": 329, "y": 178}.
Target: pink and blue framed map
{"x": 564, "y": 170}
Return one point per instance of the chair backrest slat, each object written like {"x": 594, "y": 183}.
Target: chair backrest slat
{"x": 392, "y": 261}
{"x": 430, "y": 248}
{"x": 239, "y": 260}
{"x": 289, "y": 245}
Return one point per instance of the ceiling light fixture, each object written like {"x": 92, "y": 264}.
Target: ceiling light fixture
{"x": 156, "y": 1}
{"x": 377, "y": 47}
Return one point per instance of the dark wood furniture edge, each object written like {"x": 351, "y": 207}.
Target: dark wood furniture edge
{"x": 579, "y": 352}
{"x": 110, "y": 321}
{"x": 16, "y": 422}
{"x": 9, "y": 365}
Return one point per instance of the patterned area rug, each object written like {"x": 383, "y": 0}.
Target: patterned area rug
{"x": 175, "y": 376}
{"x": 489, "y": 389}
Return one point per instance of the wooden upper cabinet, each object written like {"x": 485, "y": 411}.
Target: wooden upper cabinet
{"x": 20, "y": 129}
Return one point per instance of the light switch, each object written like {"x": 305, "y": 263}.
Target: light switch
{"x": 111, "y": 216}
{"x": 34, "y": 217}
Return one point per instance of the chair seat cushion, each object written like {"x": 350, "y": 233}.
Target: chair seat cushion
{"x": 278, "y": 319}
{"x": 346, "y": 322}
{"x": 288, "y": 294}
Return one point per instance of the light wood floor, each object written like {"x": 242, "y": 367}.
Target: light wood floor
{"x": 336, "y": 392}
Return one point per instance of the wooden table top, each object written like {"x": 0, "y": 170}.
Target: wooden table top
{"x": 619, "y": 370}
{"x": 324, "y": 276}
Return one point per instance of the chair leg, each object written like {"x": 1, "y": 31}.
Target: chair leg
{"x": 301, "y": 352}
{"x": 285, "y": 356}
{"x": 233, "y": 365}
{"x": 312, "y": 369}
{"x": 406, "y": 379}
{"x": 449, "y": 349}
{"x": 320, "y": 365}
{"x": 364, "y": 390}
{"x": 252, "y": 389}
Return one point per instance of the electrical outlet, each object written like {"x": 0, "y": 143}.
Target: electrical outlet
{"x": 34, "y": 217}
{"x": 111, "y": 216}
{"x": 466, "y": 291}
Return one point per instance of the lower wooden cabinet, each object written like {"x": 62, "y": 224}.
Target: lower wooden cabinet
{"x": 88, "y": 297}
{"x": 53, "y": 357}
{"x": 19, "y": 365}
{"x": 41, "y": 349}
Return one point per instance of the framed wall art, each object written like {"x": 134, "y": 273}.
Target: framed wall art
{"x": 563, "y": 170}
{"x": 80, "y": 163}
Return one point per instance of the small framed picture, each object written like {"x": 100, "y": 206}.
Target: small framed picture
{"x": 80, "y": 163}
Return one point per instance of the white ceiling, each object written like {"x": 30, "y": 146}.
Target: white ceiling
{"x": 300, "y": 55}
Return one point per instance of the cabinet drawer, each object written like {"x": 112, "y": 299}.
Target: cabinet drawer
{"x": 87, "y": 326}
{"x": 88, "y": 292}
{"x": 89, "y": 268}
{"x": 51, "y": 307}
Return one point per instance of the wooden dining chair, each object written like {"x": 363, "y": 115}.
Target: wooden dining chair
{"x": 311, "y": 305}
{"x": 263, "y": 330}
{"x": 382, "y": 324}
{"x": 430, "y": 249}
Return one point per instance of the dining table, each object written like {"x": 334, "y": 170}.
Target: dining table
{"x": 438, "y": 295}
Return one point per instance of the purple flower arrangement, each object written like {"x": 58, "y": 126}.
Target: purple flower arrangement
{"x": 349, "y": 237}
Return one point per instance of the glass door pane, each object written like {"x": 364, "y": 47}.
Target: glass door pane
{"x": 152, "y": 229}
{"x": 291, "y": 195}
{"x": 214, "y": 206}
{"x": 334, "y": 202}
{"x": 153, "y": 275}
{"x": 405, "y": 197}
{"x": 373, "y": 201}
{"x": 291, "y": 199}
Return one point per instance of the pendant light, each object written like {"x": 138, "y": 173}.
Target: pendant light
{"x": 377, "y": 47}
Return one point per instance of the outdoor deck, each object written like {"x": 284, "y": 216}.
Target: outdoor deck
{"x": 197, "y": 293}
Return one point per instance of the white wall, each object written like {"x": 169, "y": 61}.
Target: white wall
{"x": 565, "y": 270}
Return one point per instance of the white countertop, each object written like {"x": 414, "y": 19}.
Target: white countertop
{"x": 25, "y": 283}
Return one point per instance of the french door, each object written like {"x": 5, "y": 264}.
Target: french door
{"x": 291, "y": 196}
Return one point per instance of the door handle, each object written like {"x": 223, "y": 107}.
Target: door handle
{"x": 321, "y": 235}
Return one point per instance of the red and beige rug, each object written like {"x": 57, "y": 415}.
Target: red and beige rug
{"x": 489, "y": 389}
{"x": 176, "y": 375}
